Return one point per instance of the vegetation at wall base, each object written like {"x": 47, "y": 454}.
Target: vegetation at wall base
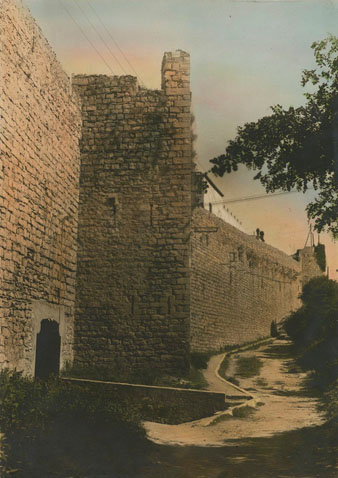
{"x": 199, "y": 360}
{"x": 224, "y": 367}
{"x": 223, "y": 371}
{"x": 314, "y": 331}
{"x": 69, "y": 424}
{"x": 192, "y": 379}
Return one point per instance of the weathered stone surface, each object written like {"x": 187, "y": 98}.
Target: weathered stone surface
{"x": 180, "y": 405}
{"x": 238, "y": 285}
{"x": 148, "y": 287}
{"x": 134, "y": 221}
{"x": 39, "y": 170}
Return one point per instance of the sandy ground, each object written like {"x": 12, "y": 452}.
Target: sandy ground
{"x": 278, "y": 404}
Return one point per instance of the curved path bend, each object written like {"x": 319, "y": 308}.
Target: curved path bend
{"x": 274, "y": 399}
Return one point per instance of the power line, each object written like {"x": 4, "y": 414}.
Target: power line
{"x": 101, "y": 37}
{"x": 213, "y": 193}
{"x": 115, "y": 42}
{"x": 84, "y": 34}
{"x": 260, "y": 196}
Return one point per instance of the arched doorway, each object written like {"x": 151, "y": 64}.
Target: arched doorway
{"x": 48, "y": 342}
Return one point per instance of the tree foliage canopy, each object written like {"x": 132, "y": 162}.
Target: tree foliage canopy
{"x": 314, "y": 329}
{"x": 297, "y": 147}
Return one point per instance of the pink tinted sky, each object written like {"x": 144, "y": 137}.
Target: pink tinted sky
{"x": 245, "y": 57}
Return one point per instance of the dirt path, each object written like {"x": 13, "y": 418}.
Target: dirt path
{"x": 280, "y": 403}
{"x": 217, "y": 385}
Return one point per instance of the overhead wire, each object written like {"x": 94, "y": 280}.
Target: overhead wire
{"x": 87, "y": 38}
{"x": 213, "y": 202}
{"x": 260, "y": 196}
{"x": 112, "y": 54}
{"x": 213, "y": 197}
{"x": 115, "y": 42}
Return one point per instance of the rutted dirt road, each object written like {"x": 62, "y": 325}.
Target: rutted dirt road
{"x": 279, "y": 403}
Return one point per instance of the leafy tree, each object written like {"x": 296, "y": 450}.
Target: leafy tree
{"x": 297, "y": 147}
{"x": 313, "y": 329}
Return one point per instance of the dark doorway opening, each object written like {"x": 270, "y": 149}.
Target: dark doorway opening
{"x": 48, "y": 342}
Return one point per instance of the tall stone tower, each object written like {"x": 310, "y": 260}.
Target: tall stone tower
{"x": 132, "y": 305}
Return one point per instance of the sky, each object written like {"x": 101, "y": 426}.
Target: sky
{"x": 245, "y": 57}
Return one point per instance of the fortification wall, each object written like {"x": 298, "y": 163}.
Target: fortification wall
{"x": 39, "y": 132}
{"x": 148, "y": 287}
{"x": 134, "y": 221}
{"x": 238, "y": 284}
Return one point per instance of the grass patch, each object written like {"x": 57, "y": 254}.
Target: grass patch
{"x": 110, "y": 374}
{"x": 34, "y": 404}
{"x": 313, "y": 330}
{"x": 233, "y": 380}
{"x": 55, "y": 427}
{"x": 199, "y": 360}
{"x": 247, "y": 367}
{"x": 193, "y": 379}
{"x": 197, "y": 380}
{"x": 221, "y": 418}
{"x": 261, "y": 382}
{"x": 222, "y": 371}
{"x": 243, "y": 412}
{"x": 238, "y": 412}
{"x": 224, "y": 367}
{"x": 255, "y": 346}
{"x": 252, "y": 345}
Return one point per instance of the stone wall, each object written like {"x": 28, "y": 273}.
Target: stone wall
{"x": 134, "y": 221}
{"x": 148, "y": 286}
{"x": 160, "y": 404}
{"x": 39, "y": 169}
{"x": 238, "y": 284}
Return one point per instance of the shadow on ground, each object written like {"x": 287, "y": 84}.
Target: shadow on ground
{"x": 305, "y": 453}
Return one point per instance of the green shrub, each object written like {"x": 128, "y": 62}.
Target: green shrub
{"x": 316, "y": 320}
{"x": 200, "y": 360}
{"x": 314, "y": 331}
{"x": 192, "y": 379}
{"x": 56, "y": 427}
{"x": 26, "y": 404}
{"x": 243, "y": 412}
{"x": 224, "y": 367}
{"x": 314, "y": 327}
{"x": 331, "y": 401}
{"x": 247, "y": 367}
{"x": 108, "y": 374}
